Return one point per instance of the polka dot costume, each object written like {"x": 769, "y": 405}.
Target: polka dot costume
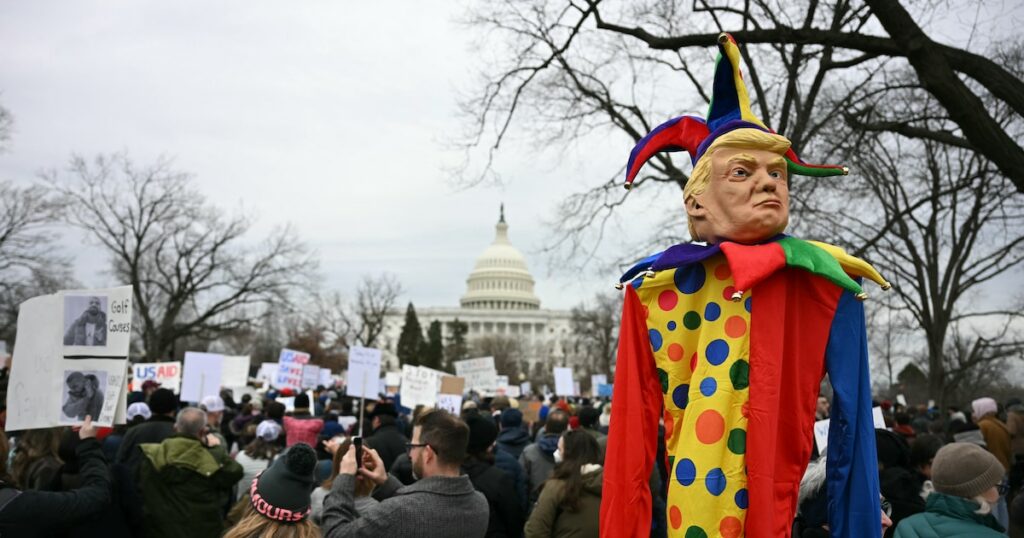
{"x": 700, "y": 340}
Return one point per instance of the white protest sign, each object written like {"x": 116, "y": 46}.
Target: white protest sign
{"x": 513, "y": 392}
{"x": 325, "y": 378}
{"x": 501, "y": 386}
{"x": 287, "y": 401}
{"x": 289, "y": 369}
{"x": 168, "y": 374}
{"x": 310, "y": 376}
{"x": 597, "y": 380}
{"x": 235, "y": 372}
{"x": 901, "y": 399}
{"x": 393, "y": 379}
{"x": 75, "y": 362}
{"x": 564, "y": 385}
{"x": 479, "y": 374}
{"x": 268, "y": 371}
{"x": 363, "y": 372}
{"x": 450, "y": 402}
{"x": 525, "y": 387}
{"x": 420, "y": 386}
{"x": 202, "y": 376}
{"x": 877, "y": 418}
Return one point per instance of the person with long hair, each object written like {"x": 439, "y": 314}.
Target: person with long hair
{"x": 258, "y": 454}
{"x": 36, "y": 461}
{"x": 279, "y": 500}
{"x": 364, "y": 487}
{"x": 570, "y": 500}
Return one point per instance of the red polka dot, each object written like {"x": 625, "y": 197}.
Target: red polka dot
{"x": 730, "y": 527}
{"x": 727, "y": 293}
{"x": 723, "y": 272}
{"x": 710, "y": 426}
{"x": 667, "y": 300}
{"x": 735, "y": 327}
{"x": 675, "y": 352}
{"x": 693, "y": 362}
{"x": 675, "y": 517}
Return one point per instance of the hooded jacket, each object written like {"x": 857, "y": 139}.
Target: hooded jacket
{"x": 506, "y": 515}
{"x": 538, "y": 460}
{"x": 550, "y": 519}
{"x": 185, "y": 487}
{"x": 513, "y": 441}
{"x": 949, "y": 517}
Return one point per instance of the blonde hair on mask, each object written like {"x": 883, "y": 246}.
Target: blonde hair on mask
{"x": 700, "y": 177}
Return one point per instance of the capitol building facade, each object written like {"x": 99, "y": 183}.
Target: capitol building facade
{"x": 499, "y": 301}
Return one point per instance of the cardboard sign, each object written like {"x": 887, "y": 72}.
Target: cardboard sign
{"x": 289, "y": 369}
{"x": 310, "y": 376}
{"x": 75, "y": 363}
{"x": 479, "y": 374}
{"x": 531, "y": 412}
{"x": 235, "y": 372}
{"x": 202, "y": 376}
{"x": 363, "y": 372}
{"x": 168, "y": 374}
{"x": 564, "y": 385}
{"x": 450, "y": 402}
{"x": 452, "y": 385}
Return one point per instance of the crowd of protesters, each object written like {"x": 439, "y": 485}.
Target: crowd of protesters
{"x": 503, "y": 467}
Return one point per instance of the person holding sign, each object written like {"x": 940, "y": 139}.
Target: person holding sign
{"x": 441, "y": 504}
{"x": 726, "y": 339}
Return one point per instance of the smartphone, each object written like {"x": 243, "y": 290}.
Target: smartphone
{"x": 358, "y": 441}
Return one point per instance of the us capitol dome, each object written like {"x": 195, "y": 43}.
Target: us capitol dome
{"x": 500, "y": 279}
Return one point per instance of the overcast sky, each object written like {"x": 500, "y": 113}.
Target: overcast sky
{"x": 328, "y": 115}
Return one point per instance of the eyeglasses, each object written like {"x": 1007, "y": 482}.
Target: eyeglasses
{"x": 887, "y": 508}
{"x": 1003, "y": 488}
{"x": 410, "y": 446}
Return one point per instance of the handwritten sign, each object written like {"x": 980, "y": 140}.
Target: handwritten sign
{"x": 310, "y": 376}
{"x": 479, "y": 374}
{"x": 363, "y": 372}
{"x": 168, "y": 374}
{"x": 235, "y": 372}
{"x": 564, "y": 385}
{"x": 450, "y": 402}
{"x": 202, "y": 376}
{"x": 420, "y": 386}
{"x": 289, "y": 369}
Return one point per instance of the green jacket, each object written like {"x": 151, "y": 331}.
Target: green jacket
{"x": 550, "y": 520}
{"x": 185, "y": 487}
{"x": 946, "y": 516}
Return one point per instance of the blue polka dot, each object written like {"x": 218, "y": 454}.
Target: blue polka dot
{"x": 717, "y": 351}
{"x": 712, "y": 311}
{"x": 742, "y": 500}
{"x": 715, "y": 481}
{"x": 639, "y": 281}
{"x": 686, "y": 472}
{"x": 746, "y": 304}
{"x": 708, "y": 386}
{"x": 689, "y": 279}
{"x": 671, "y": 325}
{"x": 656, "y": 339}
{"x": 681, "y": 396}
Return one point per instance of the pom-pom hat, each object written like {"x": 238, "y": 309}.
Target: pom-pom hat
{"x": 729, "y": 110}
{"x": 282, "y": 492}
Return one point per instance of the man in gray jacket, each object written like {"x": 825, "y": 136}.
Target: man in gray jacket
{"x": 441, "y": 503}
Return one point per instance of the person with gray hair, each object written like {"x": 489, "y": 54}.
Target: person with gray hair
{"x": 186, "y": 480}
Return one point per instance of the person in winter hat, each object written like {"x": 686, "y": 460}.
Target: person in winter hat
{"x": 538, "y": 459}
{"x": 967, "y": 480}
{"x": 279, "y": 498}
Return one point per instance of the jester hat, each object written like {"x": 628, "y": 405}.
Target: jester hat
{"x": 729, "y": 111}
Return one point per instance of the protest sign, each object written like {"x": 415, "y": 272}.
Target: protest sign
{"x": 513, "y": 392}
{"x": 325, "y": 378}
{"x": 525, "y": 387}
{"x": 597, "y": 380}
{"x": 531, "y": 413}
{"x": 450, "y": 402}
{"x": 76, "y": 361}
{"x": 451, "y": 384}
{"x": 310, "y": 376}
{"x": 235, "y": 372}
{"x": 267, "y": 373}
{"x": 363, "y": 372}
{"x": 287, "y": 401}
{"x": 168, "y": 374}
{"x": 501, "y": 384}
{"x": 564, "y": 385}
{"x": 393, "y": 379}
{"x": 201, "y": 376}
{"x": 901, "y": 399}
{"x": 479, "y": 374}
{"x": 605, "y": 390}
{"x": 420, "y": 386}
{"x": 289, "y": 369}
{"x": 821, "y": 428}
{"x": 877, "y": 418}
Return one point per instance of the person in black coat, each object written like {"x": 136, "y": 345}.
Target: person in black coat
{"x": 512, "y": 438}
{"x": 507, "y": 516}
{"x": 163, "y": 404}
{"x": 387, "y": 439}
{"x": 47, "y": 513}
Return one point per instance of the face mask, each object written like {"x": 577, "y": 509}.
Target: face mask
{"x": 558, "y": 456}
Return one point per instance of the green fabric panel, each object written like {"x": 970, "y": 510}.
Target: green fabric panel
{"x": 814, "y": 259}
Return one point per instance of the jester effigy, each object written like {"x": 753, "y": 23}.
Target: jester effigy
{"x": 727, "y": 340}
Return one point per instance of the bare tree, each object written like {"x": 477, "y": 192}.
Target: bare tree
{"x": 375, "y": 297}
{"x": 506, "y": 350}
{"x": 192, "y": 272}
{"x": 595, "y": 327}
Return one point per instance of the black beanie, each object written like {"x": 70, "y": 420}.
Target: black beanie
{"x": 482, "y": 433}
{"x": 302, "y": 401}
{"x": 282, "y": 491}
{"x": 162, "y": 401}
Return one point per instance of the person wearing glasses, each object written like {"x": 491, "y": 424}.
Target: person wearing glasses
{"x": 968, "y": 481}
{"x": 441, "y": 503}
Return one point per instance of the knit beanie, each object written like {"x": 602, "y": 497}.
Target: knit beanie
{"x": 983, "y": 406}
{"x": 282, "y": 491}
{"x": 965, "y": 470}
{"x": 302, "y": 401}
{"x": 511, "y": 418}
{"x": 482, "y": 433}
{"x": 162, "y": 401}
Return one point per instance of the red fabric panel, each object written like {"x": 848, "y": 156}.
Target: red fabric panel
{"x": 633, "y": 434}
{"x": 790, "y": 321}
{"x": 750, "y": 264}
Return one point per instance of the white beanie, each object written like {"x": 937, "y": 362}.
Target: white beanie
{"x": 983, "y": 406}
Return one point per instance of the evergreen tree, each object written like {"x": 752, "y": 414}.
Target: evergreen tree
{"x": 410, "y": 342}
{"x": 457, "y": 348}
{"x": 433, "y": 352}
